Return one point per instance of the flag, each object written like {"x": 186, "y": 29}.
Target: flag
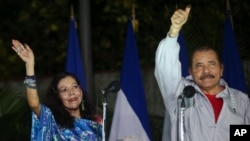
{"x": 233, "y": 71}
{"x": 74, "y": 62}
{"x": 130, "y": 119}
{"x": 183, "y": 55}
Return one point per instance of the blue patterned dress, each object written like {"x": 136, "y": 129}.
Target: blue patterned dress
{"x": 46, "y": 129}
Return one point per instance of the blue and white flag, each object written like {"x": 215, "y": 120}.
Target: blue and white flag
{"x": 183, "y": 55}
{"x": 74, "y": 63}
{"x": 233, "y": 71}
{"x": 131, "y": 119}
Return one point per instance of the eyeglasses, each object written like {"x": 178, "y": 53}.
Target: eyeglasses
{"x": 66, "y": 90}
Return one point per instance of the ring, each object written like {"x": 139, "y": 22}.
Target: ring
{"x": 19, "y": 49}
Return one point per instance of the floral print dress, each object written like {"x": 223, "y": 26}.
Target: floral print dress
{"x": 45, "y": 128}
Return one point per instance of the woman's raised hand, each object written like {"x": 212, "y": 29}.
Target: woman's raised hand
{"x": 24, "y": 52}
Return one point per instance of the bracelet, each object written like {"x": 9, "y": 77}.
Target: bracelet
{"x": 30, "y": 77}
{"x": 30, "y": 81}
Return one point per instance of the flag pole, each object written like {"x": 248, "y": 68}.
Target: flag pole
{"x": 135, "y": 22}
{"x": 229, "y": 12}
{"x": 72, "y": 11}
{"x": 72, "y": 14}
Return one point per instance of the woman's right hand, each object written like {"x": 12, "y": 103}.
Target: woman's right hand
{"x": 24, "y": 52}
{"x": 27, "y": 55}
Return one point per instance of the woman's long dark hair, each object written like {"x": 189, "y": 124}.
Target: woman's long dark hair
{"x": 62, "y": 116}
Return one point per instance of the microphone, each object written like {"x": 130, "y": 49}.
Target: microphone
{"x": 188, "y": 91}
{"x": 113, "y": 87}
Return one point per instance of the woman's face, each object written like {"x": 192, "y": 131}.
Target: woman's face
{"x": 70, "y": 93}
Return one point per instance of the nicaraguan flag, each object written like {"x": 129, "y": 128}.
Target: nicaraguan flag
{"x": 183, "y": 55}
{"x": 130, "y": 121}
{"x": 74, "y": 62}
{"x": 233, "y": 70}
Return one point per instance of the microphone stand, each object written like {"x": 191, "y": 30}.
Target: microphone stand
{"x": 113, "y": 87}
{"x": 181, "y": 108}
{"x": 188, "y": 92}
{"x": 104, "y": 105}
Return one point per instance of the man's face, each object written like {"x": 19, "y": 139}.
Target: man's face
{"x": 206, "y": 69}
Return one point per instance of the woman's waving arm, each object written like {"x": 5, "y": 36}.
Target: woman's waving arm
{"x": 27, "y": 55}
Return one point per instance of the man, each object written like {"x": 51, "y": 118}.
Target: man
{"x": 215, "y": 106}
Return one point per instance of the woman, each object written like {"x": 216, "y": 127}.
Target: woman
{"x": 63, "y": 115}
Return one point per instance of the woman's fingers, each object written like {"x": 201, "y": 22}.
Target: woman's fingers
{"x": 17, "y": 46}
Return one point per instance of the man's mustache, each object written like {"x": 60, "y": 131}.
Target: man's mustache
{"x": 207, "y": 76}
